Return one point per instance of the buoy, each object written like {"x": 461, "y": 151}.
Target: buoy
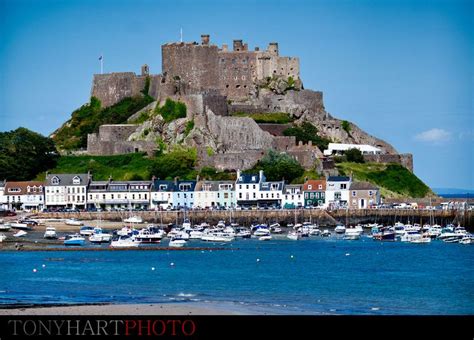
{"x": 44, "y": 266}
{"x": 258, "y": 260}
{"x": 172, "y": 264}
{"x": 291, "y": 256}
{"x": 347, "y": 254}
{"x": 35, "y": 270}
{"x": 152, "y": 268}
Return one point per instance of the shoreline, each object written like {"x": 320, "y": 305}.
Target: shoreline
{"x": 186, "y": 308}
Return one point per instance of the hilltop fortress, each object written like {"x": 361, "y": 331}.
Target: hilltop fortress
{"x": 214, "y": 83}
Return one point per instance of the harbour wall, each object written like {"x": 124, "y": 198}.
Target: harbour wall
{"x": 322, "y": 217}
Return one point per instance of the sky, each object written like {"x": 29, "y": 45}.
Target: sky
{"x": 401, "y": 70}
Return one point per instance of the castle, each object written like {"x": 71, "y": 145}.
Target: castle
{"x": 214, "y": 83}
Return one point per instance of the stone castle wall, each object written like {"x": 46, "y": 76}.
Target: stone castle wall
{"x": 113, "y": 87}
{"x": 405, "y": 159}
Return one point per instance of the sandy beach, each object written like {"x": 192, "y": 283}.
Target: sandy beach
{"x": 128, "y": 309}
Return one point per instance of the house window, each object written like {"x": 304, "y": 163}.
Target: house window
{"x": 306, "y": 195}
{"x": 354, "y": 194}
{"x": 320, "y": 187}
{"x": 343, "y": 186}
{"x": 76, "y": 180}
{"x": 370, "y": 193}
{"x": 254, "y": 186}
{"x": 55, "y": 180}
{"x": 310, "y": 187}
{"x": 247, "y": 186}
{"x": 337, "y": 195}
{"x": 240, "y": 186}
{"x": 163, "y": 187}
{"x": 240, "y": 195}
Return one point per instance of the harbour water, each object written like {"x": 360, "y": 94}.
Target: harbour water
{"x": 309, "y": 276}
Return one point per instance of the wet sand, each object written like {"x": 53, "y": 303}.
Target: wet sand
{"x": 132, "y": 309}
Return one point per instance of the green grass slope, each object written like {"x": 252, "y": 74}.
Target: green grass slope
{"x": 394, "y": 180}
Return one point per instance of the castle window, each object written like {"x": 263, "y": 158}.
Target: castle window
{"x": 274, "y": 71}
{"x": 222, "y": 60}
{"x": 245, "y": 86}
{"x": 237, "y": 86}
{"x": 227, "y": 86}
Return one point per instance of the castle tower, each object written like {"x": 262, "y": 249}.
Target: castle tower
{"x": 204, "y": 39}
{"x": 145, "y": 70}
{"x": 273, "y": 48}
{"x": 238, "y": 46}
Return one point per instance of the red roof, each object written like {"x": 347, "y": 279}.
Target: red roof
{"x": 315, "y": 183}
{"x": 21, "y": 188}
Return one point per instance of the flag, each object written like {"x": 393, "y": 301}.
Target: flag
{"x": 100, "y": 58}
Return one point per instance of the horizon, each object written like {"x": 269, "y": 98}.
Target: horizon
{"x": 416, "y": 72}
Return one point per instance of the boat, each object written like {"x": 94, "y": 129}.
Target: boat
{"x": 275, "y": 228}
{"x": 353, "y": 233}
{"x": 3, "y": 237}
{"x": 449, "y": 235}
{"x": 20, "y": 233}
{"x": 326, "y": 233}
{"x": 99, "y": 236}
{"x": 151, "y": 234}
{"x": 243, "y": 233}
{"x": 420, "y": 238}
{"x": 73, "y": 221}
{"x": 468, "y": 239}
{"x": 21, "y": 226}
{"x": 261, "y": 232}
{"x": 265, "y": 238}
{"x": 217, "y": 237}
{"x": 50, "y": 233}
{"x": 74, "y": 240}
{"x": 195, "y": 235}
{"x": 383, "y": 234}
{"x": 293, "y": 236}
{"x": 340, "y": 229}
{"x": 177, "y": 242}
{"x": 4, "y": 227}
{"x": 124, "y": 241}
{"x": 133, "y": 219}
{"x": 86, "y": 231}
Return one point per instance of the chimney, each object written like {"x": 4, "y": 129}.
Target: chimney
{"x": 225, "y": 47}
{"x": 260, "y": 173}
{"x": 197, "y": 178}
{"x": 205, "y": 39}
{"x": 176, "y": 180}
{"x": 238, "y": 174}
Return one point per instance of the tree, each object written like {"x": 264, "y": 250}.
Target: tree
{"x": 308, "y": 132}
{"x": 177, "y": 163}
{"x": 24, "y": 154}
{"x": 354, "y": 155}
{"x": 277, "y": 166}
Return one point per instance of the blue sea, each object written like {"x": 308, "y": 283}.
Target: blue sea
{"x": 310, "y": 276}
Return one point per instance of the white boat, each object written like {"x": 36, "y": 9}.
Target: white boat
{"x": 20, "y": 233}
{"x": 86, "y": 231}
{"x": 151, "y": 234}
{"x": 74, "y": 240}
{"x": 4, "y": 227}
{"x": 293, "y": 236}
{"x": 124, "y": 241}
{"x": 217, "y": 237}
{"x": 314, "y": 231}
{"x": 133, "y": 219}
{"x": 340, "y": 229}
{"x": 177, "y": 242}
{"x": 187, "y": 224}
{"x": 243, "y": 233}
{"x": 50, "y": 233}
{"x": 261, "y": 232}
{"x": 3, "y": 237}
{"x": 196, "y": 235}
{"x": 420, "y": 239}
{"x": 125, "y": 231}
{"x": 468, "y": 239}
{"x": 99, "y": 236}
{"x": 73, "y": 221}
{"x": 21, "y": 226}
{"x": 353, "y": 233}
{"x": 265, "y": 238}
{"x": 326, "y": 233}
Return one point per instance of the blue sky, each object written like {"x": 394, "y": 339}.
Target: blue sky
{"x": 401, "y": 70}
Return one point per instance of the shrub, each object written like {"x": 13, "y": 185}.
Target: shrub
{"x": 171, "y": 110}
{"x": 308, "y": 132}
{"x": 189, "y": 127}
{"x": 354, "y": 155}
{"x": 346, "y": 126}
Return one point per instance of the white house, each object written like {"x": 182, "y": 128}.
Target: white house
{"x": 247, "y": 188}
{"x": 183, "y": 194}
{"x": 111, "y": 195}
{"x": 293, "y": 196}
{"x": 337, "y": 191}
{"x": 162, "y": 194}
{"x": 66, "y": 190}
{"x": 214, "y": 194}
{"x": 339, "y": 148}
{"x": 270, "y": 193}
{"x": 25, "y": 195}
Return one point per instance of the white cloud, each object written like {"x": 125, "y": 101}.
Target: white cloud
{"x": 434, "y": 136}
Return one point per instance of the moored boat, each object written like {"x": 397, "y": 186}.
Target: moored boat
{"x": 265, "y": 238}
{"x": 99, "y": 236}
{"x": 20, "y": 233}
{"x": 73, "y": 221}
{"x": 340, "y": 229}
{"x": 177, "y": 242}
{"x": 50, "y": 233}
{"x": 74, "y": 240}
{"x": 86, "y": 231}
{"x": 468, "y": 239}
{"x": 3, "y": 237}
{"x": 124, "y": 241}
{"x": 293, "y": 236}
{"x": 133, "y": 219}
